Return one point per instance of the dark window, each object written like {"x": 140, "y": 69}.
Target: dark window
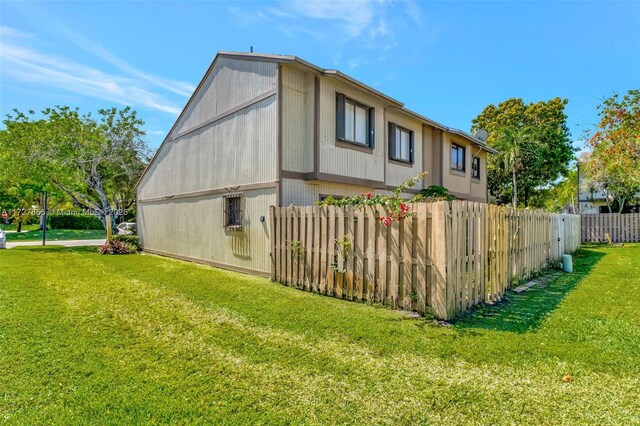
{"x": 400, "y": 143}
{"x": 233, "y": 211}
{"x": 335, "y": 197}
{"x": 457, "y": 158}
{"x": 355, "y": 122}
{"x": 475, "y": 168}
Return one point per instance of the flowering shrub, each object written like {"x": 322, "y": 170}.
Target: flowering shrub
{"x": 116, "y": 247}
{"x": 397, "y": 206}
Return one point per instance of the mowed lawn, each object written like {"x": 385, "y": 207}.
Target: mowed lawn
{"x": 140, "y": 339}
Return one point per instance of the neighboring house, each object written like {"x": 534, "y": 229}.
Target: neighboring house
{"x": 264, "y": 130}
{"x": 592, "y": 198}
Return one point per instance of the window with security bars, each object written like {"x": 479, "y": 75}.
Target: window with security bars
{"x": 233, "y": 211}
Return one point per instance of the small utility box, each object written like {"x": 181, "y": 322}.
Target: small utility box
{"x": 3, "y": 240}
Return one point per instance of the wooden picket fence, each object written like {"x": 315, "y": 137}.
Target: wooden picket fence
{"x": 622, "y": 228}
{"x": 348, "y": 253}
{"x": 447, "y": 257}
{"x": 565, "y": 235}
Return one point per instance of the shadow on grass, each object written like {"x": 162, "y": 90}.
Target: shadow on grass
{"x": 523, "y": 312}
{"x": 53, "y": 248}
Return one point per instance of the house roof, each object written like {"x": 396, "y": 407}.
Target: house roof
{"x": 338, "y": 74}
{"x": 326, "y": 72}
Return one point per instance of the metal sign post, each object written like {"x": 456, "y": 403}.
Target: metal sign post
{"x": 44, "y": 224}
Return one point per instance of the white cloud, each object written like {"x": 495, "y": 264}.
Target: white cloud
{"x": 373, "y": 24}
{"x": 30, "y": 65}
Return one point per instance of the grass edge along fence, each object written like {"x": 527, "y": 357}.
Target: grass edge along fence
{"x": 445, "y": 256}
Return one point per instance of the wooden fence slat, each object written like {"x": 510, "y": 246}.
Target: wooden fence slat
{"x": 339, "y": 292}
{"x": 315, "y": 258}
{"x": 407, "y": 261}
{"x": 381, "y": 244}
{"x": 359, "y": 253}
{"x": 370, "y": 265}
{"x": 326, "y": 249}
{"x": 421, "y": 253}
{"x": 349, "y": 234}
{"x": 308, "y": 220}
{"x": 394, "y": 277}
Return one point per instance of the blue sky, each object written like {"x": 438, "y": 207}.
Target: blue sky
{"x": 445, "y": 60}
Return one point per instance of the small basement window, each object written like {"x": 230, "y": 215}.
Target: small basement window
{"x": 233, "y": 212}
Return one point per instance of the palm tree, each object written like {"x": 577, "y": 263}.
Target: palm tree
{"x": 517, "y": 150}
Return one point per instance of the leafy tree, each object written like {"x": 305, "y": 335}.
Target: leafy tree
{"x": 543, "y": 124}
{"x": 518, "y": 149}
{"x": 559, "y": 197}
{"x": 614, "y": 164}
{"x": 94, "y": 162}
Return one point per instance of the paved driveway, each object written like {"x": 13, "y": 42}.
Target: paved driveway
{"x": 66, "y": 243}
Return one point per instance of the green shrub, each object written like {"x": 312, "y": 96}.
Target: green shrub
{"x": 74, "y": 222}
{"x": 130, "y": 240}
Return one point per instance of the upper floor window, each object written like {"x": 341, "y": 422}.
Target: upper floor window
{"x": 400, "y": 143}
{"x": 457, "y": 158}
{"x": 354, "y": 121}
{"x": 475, "y": 167}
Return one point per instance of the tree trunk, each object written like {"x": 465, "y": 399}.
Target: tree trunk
{"x": 515, "y": 189}
{"x": 19, "y": 226}
{"x": 622, "y": 201}
{"x": 606, "y": 196}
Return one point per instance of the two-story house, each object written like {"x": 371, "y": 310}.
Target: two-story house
{"x": 264, "y": 130}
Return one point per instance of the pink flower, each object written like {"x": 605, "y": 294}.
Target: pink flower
{"x": 385, "y": 220}
{"x": 404, "y": 207}
{"x": 367, "y": 195}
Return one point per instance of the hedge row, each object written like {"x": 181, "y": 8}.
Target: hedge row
{"x": 74, "y": 222}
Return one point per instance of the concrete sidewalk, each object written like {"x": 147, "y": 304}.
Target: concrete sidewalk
{"x": 66, "y": 243}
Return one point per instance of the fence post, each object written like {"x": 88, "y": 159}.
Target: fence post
{"x": 443, "y": 301}
{"x": 272, "y": 237}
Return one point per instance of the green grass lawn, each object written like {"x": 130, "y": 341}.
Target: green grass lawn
{"x": 57, "y": 234}
{"x": 91, "y": 339}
